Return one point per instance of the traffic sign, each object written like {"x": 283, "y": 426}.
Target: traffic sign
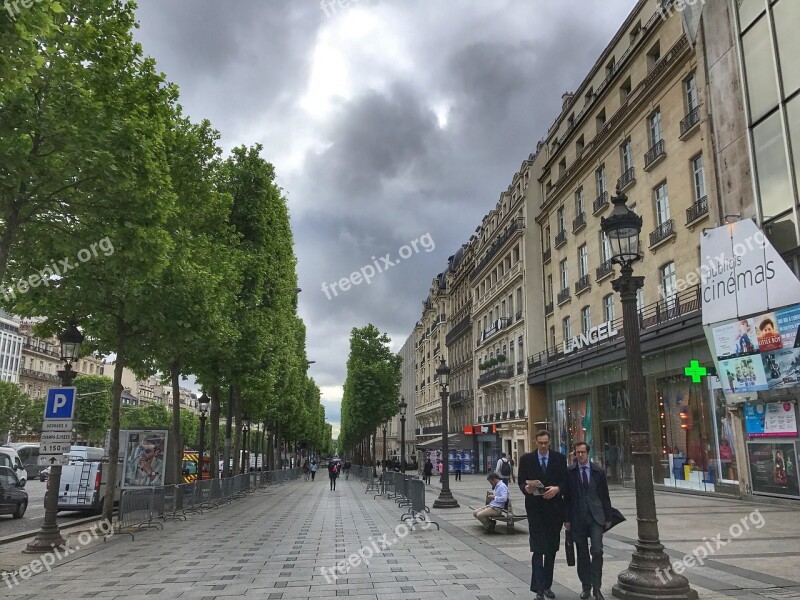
{"x": 60, "y": 403}
{"x": 57, "y": 437}
{"x": 48, "y": 460}
{"x": 56, "y": 425}
{"x": 54, "y": 447}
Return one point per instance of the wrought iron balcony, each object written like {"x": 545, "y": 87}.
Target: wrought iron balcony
{"x": 512, "y": 414}
{"x": 561, "y": 238}
{"x": 579, "y": 222}
{"x": 582, "y": 284}
{"x": 495, "y": 374}
{"x": 690, "y": 120}
{"x": 605, "y": 269}
{"x": 697, "y": 210}
{"x": 626, "y": 179}
{"x": 662, "y": 232}
{"x": 518, "y": 316}
{"x": 548, "y": 308}
{"x": 600, "y": 203}
{"x": 563, "y": 295}
{"x": 521, "y": 413}
{"x": 656, "y": 152}
{"x": 547, "y": 254}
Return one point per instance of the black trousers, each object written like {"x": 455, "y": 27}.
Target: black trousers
{"x": 590, "y": 563}
{"x": 542, "y": 572}
{"x": 333, "y": 483}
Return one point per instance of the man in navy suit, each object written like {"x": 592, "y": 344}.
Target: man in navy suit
{"x": 588, "y": 514}
{"x": 542, "y": 477}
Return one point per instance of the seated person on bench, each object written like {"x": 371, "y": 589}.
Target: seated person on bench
{"x": 497, "y": 504}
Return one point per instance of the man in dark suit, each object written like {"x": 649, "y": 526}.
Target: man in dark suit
{"x": 588, "y": 514}
{"x": 542, "y": 476}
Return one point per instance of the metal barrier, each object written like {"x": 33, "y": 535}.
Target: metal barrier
{"x": 137, "y": 508}
{"x": 416, "y": 491}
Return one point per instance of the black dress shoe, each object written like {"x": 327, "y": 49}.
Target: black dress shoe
{"x": 598, "y": 595}
{"x": 539, "y": 596}
{"x": 549, "y": 593}
{"x": 585, "y": 594}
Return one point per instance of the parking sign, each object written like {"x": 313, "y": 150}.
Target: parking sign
{"x": 60, "y": 403}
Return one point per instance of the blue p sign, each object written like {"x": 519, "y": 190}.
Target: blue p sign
{"x": 60, "y": 403}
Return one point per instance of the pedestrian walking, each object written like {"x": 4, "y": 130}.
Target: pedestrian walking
{"x": 498, "y": 499}
{"x": 346, "y": 468}
{"x": 542, "y": 478}
{"x": 503, "y": 468}
{"x": 588, "y": 515}
{"x": 427, "y": 471}
{"x": 440, "y": 469}
{"x": 306, "y": 469}
{"x": 333, "y": 473}
{"x": 313, "y": 468}
{"x": 458, "y": 466}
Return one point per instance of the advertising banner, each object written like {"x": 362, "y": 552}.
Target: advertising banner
{"x": 145, "y": 458}
{"x": 773, "y": 468}
{"x": 773, "y": 419}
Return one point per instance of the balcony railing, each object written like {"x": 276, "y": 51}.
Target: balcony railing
{"x": 547, "y": 254}
{"x": 583, "y": 283}
{"x": 548, "y": 308}
{"x": 690, "y": 120}
{"x": 515, "y": 225}
{"x": 461, "y": 396}
{"x": 495, "y": 374}
{"x": 604, "y": 269}
{"x": 697, "y": 210}
{"x": 600, "y": 203}
{"x": 563, "y": 295}
{"x": 662, "y": 232}
{"x": 626, "y": 179}
{"x": 656, "y": 152}
{"x": 518, "y": 316}
{"x": 579, "y": 222}
{"x": 38, "y": 374}
{"x": 521, "y": 413}
{"x": 459, "y": 328}
{"x": 561, "y": 238}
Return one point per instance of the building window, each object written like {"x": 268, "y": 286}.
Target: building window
{"x": 586, "y": 319}
{"x": 583, "y": 261}
{"x": 625, "y": 90}
{"x": 698, "y": 177}
{"x": 669, "y": 286}
{"x": 566, "y": 328}
{"x": 653, "y": 56}
{"x": 654, "y": 127}
{"x": 772, "y": 171}
{"x": 564, "y": 274}
{"x": 662, "y": 204}
{"x": 580, "y": 202}
{"x": 547, "y": 238}
{"x": 759, "y": 62}
{"x": 600, "y": 179}
{"x": 549, "y": 289}
{"x": 560, "y": 219}
{"x": 552, "y": 336}
{"x": 787, "y": 23}
{"x": 690, "y": 93}
{"x": 608, "y": 307}
{"x": 600, "y": 120}
{"x": 605, "y": 247}
{"x": 626, "y": 155}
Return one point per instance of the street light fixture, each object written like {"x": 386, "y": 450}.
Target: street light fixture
{"x": 650, "y": 573}
{"x": 385, "y": 425}
{"x": 49, "y": 537}
{"x": 203, "y": 403}
{"x": 403, "y": 407}
{"x": 445, "y": 499}
{"x": 245, "y": 432}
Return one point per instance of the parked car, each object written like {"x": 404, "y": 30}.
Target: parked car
{"x": 9, "y": 458}
{"x": 13, "y": 499}
{"x": 29, "y": 455}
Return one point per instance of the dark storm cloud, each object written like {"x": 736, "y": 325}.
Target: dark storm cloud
{"x": 420, "y": 115}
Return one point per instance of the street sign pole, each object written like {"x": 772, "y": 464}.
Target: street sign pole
{"x": 59, "y": 407}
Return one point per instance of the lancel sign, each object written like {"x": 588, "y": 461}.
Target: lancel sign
{"x": 604, "y": 331}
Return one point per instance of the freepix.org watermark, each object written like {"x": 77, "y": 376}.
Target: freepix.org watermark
{"x": 46, "y": 273}
{"x": 710, "y": 546}
{"x": 14, "y": 7}
{"x": 668, "y": 8}
{"x": 374, "y": 547}
{"x": 45, "y": 562}
{"x": 368, "y": 272}
{"x": 331, "y": 7}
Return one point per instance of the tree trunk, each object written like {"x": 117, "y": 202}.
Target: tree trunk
{"x": 11, "y": 224}
{"x": 113, "y": 438}
{"x": 226, "y": 455}
{"x": 177, "y": 454}
{"x": 213, "y": 434}
{"x": 237, "y": 434}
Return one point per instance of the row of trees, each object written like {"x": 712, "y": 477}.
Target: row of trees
{"x": 371, "y": 390}
{"x": 119, "y": 213}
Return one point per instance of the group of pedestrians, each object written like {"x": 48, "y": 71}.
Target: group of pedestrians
{"x": 310, "y": 469}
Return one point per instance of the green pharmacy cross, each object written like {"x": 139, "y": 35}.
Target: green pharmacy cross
{"x": 695, "y": 371}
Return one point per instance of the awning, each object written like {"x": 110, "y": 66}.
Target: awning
{"x": 455, "y": 441}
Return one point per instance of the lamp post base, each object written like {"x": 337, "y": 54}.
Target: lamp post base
{"x": 446, "y": 500}
{"x": 650, "y": 577}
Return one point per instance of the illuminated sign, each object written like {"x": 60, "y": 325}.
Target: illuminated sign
{"x": 597, "y": 334}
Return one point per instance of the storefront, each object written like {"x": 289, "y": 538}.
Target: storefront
{"x": 486, "y": 446}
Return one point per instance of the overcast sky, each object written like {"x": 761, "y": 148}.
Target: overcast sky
{"x": 387, "y": 121}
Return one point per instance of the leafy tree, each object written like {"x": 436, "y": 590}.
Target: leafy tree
{"x": 93, "y": 405}
{"x": 145, "y": 416}
{"x": 16, "y": 411}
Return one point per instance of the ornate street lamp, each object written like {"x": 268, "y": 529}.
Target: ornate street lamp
{"x": 245, "y": 432}
{"x": 403, "y": 407}
{"x": 203, "y": 403}
{"x": 49, "y": 537}
{"x": 650, "y": 573}
{"x": 445, "y": 499}
{"x": 385, "y": 425}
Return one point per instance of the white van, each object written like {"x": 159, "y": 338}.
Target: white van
{"x": 10, "y": 458}
{"x": 83, "y": 480}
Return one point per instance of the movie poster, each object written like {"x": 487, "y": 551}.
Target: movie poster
{"x": 771, "y": 419}
{"x": 145, "y": 459}
{"x": 773, "y": 468}
{"x": 743, "y": 374}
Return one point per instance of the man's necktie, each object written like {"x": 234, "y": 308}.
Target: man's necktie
{"x": 544, "y": 462}
{"x": 585, "y": 477}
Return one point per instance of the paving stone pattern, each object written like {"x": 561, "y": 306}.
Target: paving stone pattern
{"x": 273, "y": 543}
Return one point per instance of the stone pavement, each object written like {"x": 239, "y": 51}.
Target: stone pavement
{"x": 273, "y": 544}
